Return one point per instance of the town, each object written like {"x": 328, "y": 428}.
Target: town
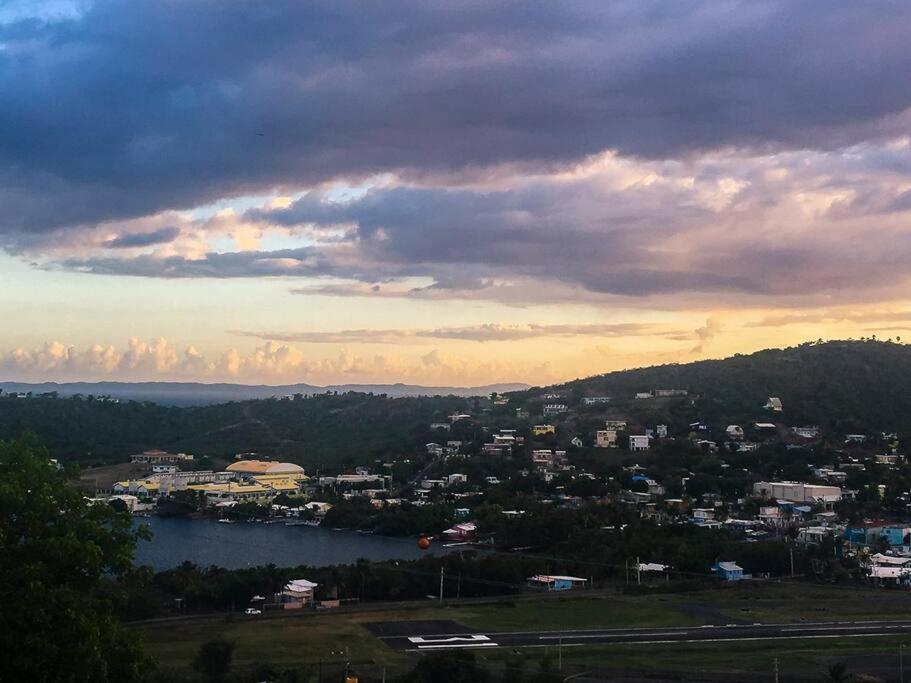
{"x": 763, "y": 481}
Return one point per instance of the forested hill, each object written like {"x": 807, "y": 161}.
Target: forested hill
{"x": 839, "y": 384}
{"x": 328, "y": 430}
{"x": 844, "y": 386}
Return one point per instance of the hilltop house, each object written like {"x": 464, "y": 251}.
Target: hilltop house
{"x": 541, "y": 430}
{"x": 156, "y": 457}
{"x": 773, "y": 404}
{"x": 734, "y": 432}
{"x": 639, "y": 442}
{"x": 667, "y": 393}
{"x": 606, "y": 438}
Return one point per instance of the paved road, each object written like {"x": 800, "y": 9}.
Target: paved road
{"x": 423, "y": 637}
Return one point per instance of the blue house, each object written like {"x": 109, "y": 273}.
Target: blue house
{"x": 546, "y": 582}
{"x": 728, "y": 571}
{"x": 897, "y": 536}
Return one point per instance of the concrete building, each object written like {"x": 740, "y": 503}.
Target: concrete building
{"x": 156, "y": 457}
{"x": 255, "y": 468}
{"x": 639, "y": 442}
{"x": 606, "y": 438}
{"x": 297, "y": 594}
{"x": 797, "y": 492}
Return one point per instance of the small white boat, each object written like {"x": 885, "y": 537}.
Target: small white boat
{"x": 226, "y": 521}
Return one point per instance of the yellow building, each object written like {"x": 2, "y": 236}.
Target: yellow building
{"x": 137, "y": 487}
{"x": 541, "y": 430}
{"x": 279, "y": 483}
{"x": 260, "y": 468}
{"x": 234, "y": 492}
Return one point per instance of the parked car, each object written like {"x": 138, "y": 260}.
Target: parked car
{"x": 252, "y": 611}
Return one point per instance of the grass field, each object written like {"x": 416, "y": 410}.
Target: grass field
{"x": 337, "y": 637}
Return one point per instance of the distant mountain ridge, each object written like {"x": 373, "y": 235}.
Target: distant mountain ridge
{"x": 199, "y": 393}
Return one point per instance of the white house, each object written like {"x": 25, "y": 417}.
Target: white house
{"x": 797, "y": 492}
{"x": 463, "y": 531}
{"x": 734, "y": 432}
{"x": 297, "y": 594}
{"x": 638, "y": 442}
{"x": 773, "y": 404}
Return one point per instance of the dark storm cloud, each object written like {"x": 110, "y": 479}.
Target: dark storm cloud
{"x": 143, "y": 239}
{"x": 137, "y": 106}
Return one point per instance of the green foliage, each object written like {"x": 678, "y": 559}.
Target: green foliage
{"x": 327, "y": 430}
{"x": 58, "y": 556}
{"x": 459, "y": 666}
{"x": 213, "y": 660}
{"x": 846, "y": 386}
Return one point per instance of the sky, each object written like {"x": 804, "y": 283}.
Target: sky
{"x": 445, "y": 193}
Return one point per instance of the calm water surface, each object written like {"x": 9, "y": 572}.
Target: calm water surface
{"x": 206, "y": 542}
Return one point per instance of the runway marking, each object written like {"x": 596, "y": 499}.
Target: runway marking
{"x": 426, "y": 641}
{"x": 455, "y": 645}
{"x": 612, "y": 635}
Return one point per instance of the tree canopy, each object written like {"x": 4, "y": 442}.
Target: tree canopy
{"x": 59, "y": 555}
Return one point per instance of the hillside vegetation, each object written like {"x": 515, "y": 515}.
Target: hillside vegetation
{"x": 838, "y": 385}
{"x": 329, "y": 430}
{"x": 842, "y": 386}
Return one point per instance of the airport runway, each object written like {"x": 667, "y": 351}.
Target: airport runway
{"x": 442, "y": 635}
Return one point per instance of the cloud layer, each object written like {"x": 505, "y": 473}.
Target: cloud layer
{"x": 133, "y": 107}
{"x": 698, "y": 158}
{"x": 271, "y": 362}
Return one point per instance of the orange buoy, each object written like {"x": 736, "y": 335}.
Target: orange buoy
{"x": 423, "y": 543}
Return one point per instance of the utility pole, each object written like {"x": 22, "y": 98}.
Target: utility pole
{"x": 638, "y": 571}
{"x": 560, "y": 654}
{"x": 901, "y": 663}
{"x": 441, "y": 584}
{"x": 627, "y": 571}
{"x": 791, "y": 549}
